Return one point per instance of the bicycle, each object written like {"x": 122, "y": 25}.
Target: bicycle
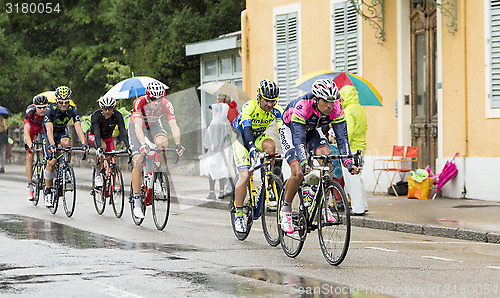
{"x": 37, "y": 170}
{"x": 65, "y": 182}
{"x": 112, "y": 184}
{"x": 155, "y": 189}
{"x": 334, "y": 235}
{"x": 261, "y": 201}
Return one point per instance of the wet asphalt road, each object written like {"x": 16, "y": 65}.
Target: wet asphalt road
{"x": 197, "y": 255}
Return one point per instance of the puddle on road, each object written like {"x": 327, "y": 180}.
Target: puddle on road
{"x": 304, "y": 286}
{"x": 24, "y": 227}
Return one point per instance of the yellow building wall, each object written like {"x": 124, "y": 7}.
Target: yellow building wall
{"x": 465, "y": 126}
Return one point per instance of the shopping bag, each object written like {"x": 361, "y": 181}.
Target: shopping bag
{"x": 419, "y": 190}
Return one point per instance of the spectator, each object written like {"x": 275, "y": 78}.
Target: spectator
{"x": 232, "y": 113}
{"x": 216, "y": 142}
{"x": 356, "y": 128}
{"x": 4, "y": 140}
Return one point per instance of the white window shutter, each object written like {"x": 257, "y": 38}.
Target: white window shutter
{"x": 495, "y": 53}
{"x": 345, "y": 38}
{"x": 287, "y": 56}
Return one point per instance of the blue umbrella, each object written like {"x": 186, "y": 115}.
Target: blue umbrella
{"x": 4, "y": 111}
{"x": 133, "y": 87}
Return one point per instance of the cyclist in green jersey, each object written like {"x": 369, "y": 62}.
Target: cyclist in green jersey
{"x": 250, "y": 126}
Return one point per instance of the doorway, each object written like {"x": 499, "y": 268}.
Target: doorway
{"x": 424, "y": 122}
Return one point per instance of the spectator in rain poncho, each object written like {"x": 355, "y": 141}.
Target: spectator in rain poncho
{"x": 216, "y": 143}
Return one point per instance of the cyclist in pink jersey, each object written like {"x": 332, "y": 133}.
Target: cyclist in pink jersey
{"x": 303, "y": 119}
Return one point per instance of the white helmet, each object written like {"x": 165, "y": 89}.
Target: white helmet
{"x": 107, "y": 102}
{"x": 155, "y": 90}
{"x": 326, "y": 89}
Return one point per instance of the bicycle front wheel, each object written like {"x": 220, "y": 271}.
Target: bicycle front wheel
{"x": 161, "y": 199}
{"x": 334, "y": 233}
{"x": 292, "y": 243}
{"x": 98, "y": 193}
{"x": 117, "y": 192}
{"x": 247, "y": 215}
{"x": 38, "y": 182}
{"x": 269, "y": 207}
{"x": 138, "y": 221}
{"x": 69, "y": 190}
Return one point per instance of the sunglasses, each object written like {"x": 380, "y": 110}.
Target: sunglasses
{"x": 63, "y": 102}
{"x": 108, "y": 108}
{"x": 41, "y": 107}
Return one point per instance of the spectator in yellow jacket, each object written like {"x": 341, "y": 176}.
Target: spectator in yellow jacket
{"x": 356, "y": 129}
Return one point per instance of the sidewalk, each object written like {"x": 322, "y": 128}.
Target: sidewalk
{"x": 451, "y": 218}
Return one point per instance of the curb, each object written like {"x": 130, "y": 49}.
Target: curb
{"x": 358, "y": 221}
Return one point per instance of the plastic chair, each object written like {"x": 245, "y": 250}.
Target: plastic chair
{"x": 382, "y": 165}
{"x": 401, "y": 167}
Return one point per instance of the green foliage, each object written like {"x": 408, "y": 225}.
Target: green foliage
{"x": 15, "y": 120}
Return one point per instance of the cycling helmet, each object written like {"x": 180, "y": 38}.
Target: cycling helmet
{"x": 268, "y": 90}
{"x": 40, "y": 100}
{"x": 155, "y": 90}
{"x": 107, "y": 102}
{"x": 63, "y": 92}
{"x": 326, "y": 89}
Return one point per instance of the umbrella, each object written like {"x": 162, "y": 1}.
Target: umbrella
{"x": 132, "y": 87}
{"x": 226, "y": 88}
{"x": 368, "y": 95}
{"x": 51, "y": 96}
{"x": 449, "y": 171}
{"x": 4, "y": 112}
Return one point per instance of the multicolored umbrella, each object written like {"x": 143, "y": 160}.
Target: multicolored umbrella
{"x": 51, "y": 96}
{"x": 368, "y": 94}
{"x": 133, "y": 87}
{"x": 449, "y": 171}
{"x": 226, "y": 88}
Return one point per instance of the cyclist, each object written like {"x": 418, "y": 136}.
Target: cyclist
{"x": 55, "y": 132}
{"x": 301, "y": 133}
{"x": 33, "y": 119}
{"x": 253, "y": 120}
{"x": 102, "y": 124}
{"x": 145, "y": 122}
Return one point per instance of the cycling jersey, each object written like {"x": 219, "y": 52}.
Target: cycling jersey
{"x": 58, "y": 118}
{"x": 301, "y": 116}
{"x": 103, "y": 128}
{"x": 142, "y": 109}
{"x": 253, "y": 121}
{"x": 33, "y": 120}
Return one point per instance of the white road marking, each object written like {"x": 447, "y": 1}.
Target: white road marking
{"x": 115, "y": 292}
{"x": 380, "y": 248}
{"x": 494, "y": 267}
{"x": 441, "y": 259}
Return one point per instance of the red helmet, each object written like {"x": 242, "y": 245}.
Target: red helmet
{"x": 155, "y": 90}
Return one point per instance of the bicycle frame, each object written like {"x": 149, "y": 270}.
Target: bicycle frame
{"x": 155, "y": 157}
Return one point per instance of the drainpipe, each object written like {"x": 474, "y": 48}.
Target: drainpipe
{"x": 244, "y": 50}
{"x": 466, "y": 155}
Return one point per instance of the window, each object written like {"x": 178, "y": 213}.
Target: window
{"x": 287, "y": 56}
{"x": 494, "y": 46}
{"x": 210, "y": 67}
{"x": 225, "y": 65}
{"x": 237, "y": 64}
{"x": 345, "y": 38}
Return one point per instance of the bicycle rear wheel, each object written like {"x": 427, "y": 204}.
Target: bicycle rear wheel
{"x": 334, "y": 236}
{"x": 68, "y": 190}
{"x": 161, "y": 199}
{"x": 138, "y": 221}
{"x": 98, "y": 193}
{"x": 269, "y": 207}
{"x": 292, "y": 243}
{"x": 37, "y": 180}
{"x": 247, "y": 215}
{"x": 117, "y": 191}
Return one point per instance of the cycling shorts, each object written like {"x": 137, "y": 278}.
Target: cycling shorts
{"x": 314, "y": 139}
{"x": 58, "y": 136}
{"x": 110, "y": 143}
{"x": 151, "y": 132}
{"x": 241, "y": 154}
{"x": 34, "y": 130}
